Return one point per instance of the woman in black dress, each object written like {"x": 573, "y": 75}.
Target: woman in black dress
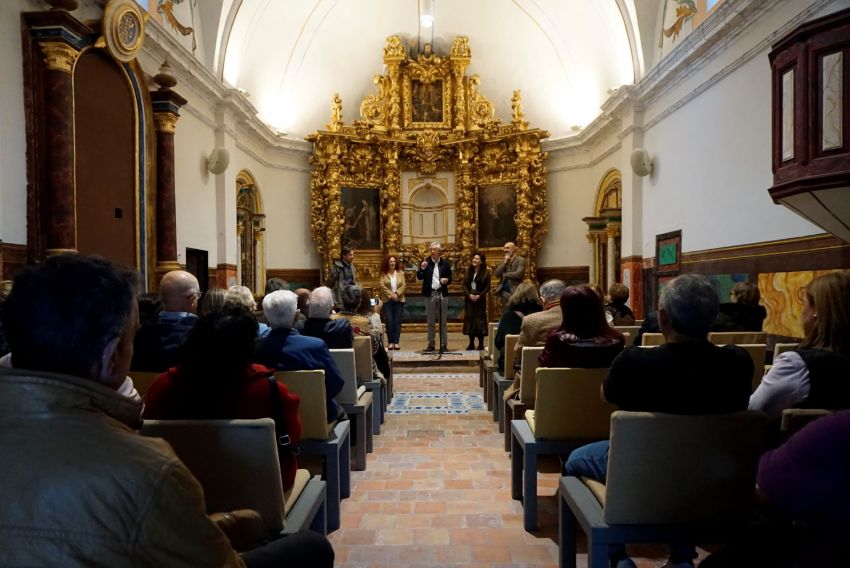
{"x": 476, "y": 287}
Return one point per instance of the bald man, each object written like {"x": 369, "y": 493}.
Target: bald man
{"x": 511, "y": 271}
{"x": 157, "y": 341}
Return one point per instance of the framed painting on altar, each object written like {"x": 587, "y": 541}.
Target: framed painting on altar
{"x": 496, "y": 213}
{"x": 361, "y": 211}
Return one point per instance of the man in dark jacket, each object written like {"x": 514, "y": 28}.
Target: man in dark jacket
{"x": 336, "y": 333}
{"x": 436, "y": 275}
{"x": 157, "y": 341}
{"x": 743, "y": 313}
{"x": 342, "y": 274}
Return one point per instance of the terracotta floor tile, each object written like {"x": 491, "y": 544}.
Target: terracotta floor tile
{"x": 394, "y": 536}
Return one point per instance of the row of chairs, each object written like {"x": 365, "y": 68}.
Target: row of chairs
{"x": 330, "y": 443}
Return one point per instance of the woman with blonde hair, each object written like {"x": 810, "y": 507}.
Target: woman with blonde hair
{"x": 523, "y": 301}
{"x": 243, "y": 296}
{"x": 817, "y": 373}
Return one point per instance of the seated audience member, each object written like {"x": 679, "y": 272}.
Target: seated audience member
{"x": 275, "y": 284}
{"x": 524, "y": 300}
{"x": 242, "y": 295}
{"x": 284, "y": 349}
{"x": 649, "y": 325}
{"x": 4, "y": 347}
{"x": 743, "y": 313}
{"x": 807, "y": 478}
{"x": 125, "y": 500}
{"x": 620, "y": 313}
{"x": 336, "y": 333}
{"x": 537, "y": 327}
{"x": 212, "y": 299}
{"x": 157, "y": 341}
{"x": 584, "y": 339}
{"x": 303, "y": 301}
{"x": 215, "y": 379}
{"x": 149, "y": 307}
{"x": 687, "y": 375}
{"x": 357, "y": 314}
{"x": 817, "y": 373}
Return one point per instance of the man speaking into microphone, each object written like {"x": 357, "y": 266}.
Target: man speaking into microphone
{"x": 436, "y": 275}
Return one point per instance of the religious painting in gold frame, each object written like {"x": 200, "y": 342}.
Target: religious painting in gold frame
{"x": 361, "y": 213}
{"x": 496, "y": 213}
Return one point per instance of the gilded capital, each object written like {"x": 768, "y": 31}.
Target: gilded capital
{"x": 165, "y": 122}
{"x": 59, "y": 56}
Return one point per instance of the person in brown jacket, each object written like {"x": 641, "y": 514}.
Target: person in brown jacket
{"x": 80, "y": 486}
{"x": 537, "y": 327}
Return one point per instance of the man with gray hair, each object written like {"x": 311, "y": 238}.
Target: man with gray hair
{"x": 536, "y": 327}
{"x": 336, "y": 333}
{"x": 436, "y": 275}
{"x": 686, "y": 375}
{"x": 284, "y": 349}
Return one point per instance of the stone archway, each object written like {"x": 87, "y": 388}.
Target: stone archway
{"x": 604, "y": 230}
{"x": 250, "y": 234}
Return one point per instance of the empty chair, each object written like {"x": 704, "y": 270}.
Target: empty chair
{"x": 671, "y": 478}
{"x": 653, "y": 339}
{"x": 568, "y": 413}
{"x": 783, "y": 347}
{"x": 331, "y": 442}
{"x": 503, "y": 381}
{"x": 236, "y": 462}
{"x": 632, "y": 330}
{"x": 737, "y": 337}
{"x": 513, "y": 407}
{"x": 793, "y": 419}
{"x": 379, "y": 389}
{"x": 358, "y": 405}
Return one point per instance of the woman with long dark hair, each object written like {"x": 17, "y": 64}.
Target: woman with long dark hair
{"x": 215, "y": 379}
{"x": 584, "y": 339}
{"x": 392, "y": 296}
{"x": 476, "y": 289}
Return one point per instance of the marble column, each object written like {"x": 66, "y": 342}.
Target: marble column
{"x": 60, "y": 229}
{"x": 594, "y": 253}
{"x": 166, "y": 104}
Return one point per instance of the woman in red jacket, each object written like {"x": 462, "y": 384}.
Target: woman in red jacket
{"x": 215, "y": 379}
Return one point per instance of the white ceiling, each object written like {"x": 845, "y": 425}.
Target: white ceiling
{"x": 291, "y": 56}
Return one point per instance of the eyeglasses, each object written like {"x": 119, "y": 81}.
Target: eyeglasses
{"x": 194, "y": 296}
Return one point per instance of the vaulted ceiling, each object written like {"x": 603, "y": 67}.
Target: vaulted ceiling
{"x": 291, "y": 56}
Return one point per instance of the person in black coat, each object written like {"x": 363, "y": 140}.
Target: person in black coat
{"x": 743, "y": 313}
{"x": 436, "y": 275}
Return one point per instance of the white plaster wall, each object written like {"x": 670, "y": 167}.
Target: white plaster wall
{"x": 195, "y": 195}
{"x": 13, "y": 167}
{"x": 713, "y": 166}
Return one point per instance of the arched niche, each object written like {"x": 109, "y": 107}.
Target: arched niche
{"x": 428, "y": 212}
{"x": 604, "y": 230}
{"x": 250, "y": 233}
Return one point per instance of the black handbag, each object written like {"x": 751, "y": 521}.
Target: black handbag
{"x": 284, "y": 443}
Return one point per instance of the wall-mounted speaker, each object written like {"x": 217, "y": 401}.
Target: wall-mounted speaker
{"x": 218, "y": 160}
{"x": 641, "y": 162}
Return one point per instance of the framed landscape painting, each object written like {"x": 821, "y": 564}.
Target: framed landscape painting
{"x": 668, "y": 253}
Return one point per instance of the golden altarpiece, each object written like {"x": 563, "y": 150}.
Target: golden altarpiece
{"x": 427, "y": 161}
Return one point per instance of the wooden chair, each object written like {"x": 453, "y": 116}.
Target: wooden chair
{"x": 489, "y": 368}
{"x": 331, "y": 442}
{"x": 358, "y": 405}
{"x": 501, "y": 381}
{"x": 638, "y": 323}
{"x": 514, "y": 408}
{"x": 757, "y": 353}
{"x": 653, "y": 339}
{"x": 487, "y": 354}
{"x": 363, "y": 362}
{"x": 632, "y": 331}
{"x": 143, "y": 381}
{"x": 793, "y": 419}
{"x": 737, "y": 337}
{"x": 780, "y": 348}
{"x": 671, "y": 478}
{"x": 568, "y": 413}
{"x": 236, "y": 462}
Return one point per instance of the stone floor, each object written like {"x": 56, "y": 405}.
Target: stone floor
{"x": 436, "y": 491}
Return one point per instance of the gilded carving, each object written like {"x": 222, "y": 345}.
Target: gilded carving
{"x": 165, "y": 122}
{"x": 455, "y": 130}
{"x": 59, "y": 56}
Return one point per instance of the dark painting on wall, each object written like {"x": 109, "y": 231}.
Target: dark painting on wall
{"x": 426, "y": 101}
{"x": 496, "y": 215}
{"x": 361, "y": 209}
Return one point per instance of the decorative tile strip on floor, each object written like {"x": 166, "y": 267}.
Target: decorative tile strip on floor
{"x": 420, "y": 376}
{"x": 435, "y": 403}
